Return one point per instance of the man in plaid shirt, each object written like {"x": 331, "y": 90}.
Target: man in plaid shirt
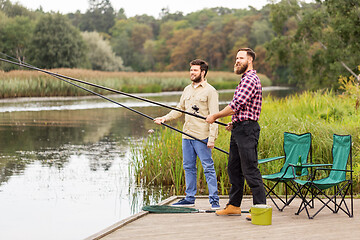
{"x": 245, "y": 109}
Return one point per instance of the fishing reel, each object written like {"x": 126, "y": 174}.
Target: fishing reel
{"x": 195, "y": 108}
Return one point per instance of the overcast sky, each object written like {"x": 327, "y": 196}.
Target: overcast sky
{"x": 138, "y": 7}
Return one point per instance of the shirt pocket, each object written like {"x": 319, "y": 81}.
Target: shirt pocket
{"x": 202, "y": 102}
{"x": 187, "y": 102}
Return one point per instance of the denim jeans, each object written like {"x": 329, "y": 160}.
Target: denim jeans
{"x": 192, "y": 149}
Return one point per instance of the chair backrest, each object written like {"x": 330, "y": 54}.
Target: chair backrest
{"x": 341, "y": 151}
{"x": 294, "y": 146}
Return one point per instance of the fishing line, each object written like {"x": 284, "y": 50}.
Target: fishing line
{"x": 24, "y": 64}
{"x": 106, "y": 98}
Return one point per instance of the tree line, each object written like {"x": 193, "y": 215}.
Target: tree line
{"x": 308, "y": 45}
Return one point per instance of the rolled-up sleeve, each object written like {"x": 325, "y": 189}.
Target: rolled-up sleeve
{"x": 173, "y": 114}
{"x": 242, "y": 94}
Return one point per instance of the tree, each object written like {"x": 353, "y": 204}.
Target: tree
{"x": 165, "y": 15}
{"x": 128, "y": 40}
{"x": 99, "y": 17}
{"x": 120, "y": 40}
{"x": 212, "y": 46}
{"x": 100, "y": 54}
{"x": 13, "y": 10}
{"x": 56, "y": 43}
{"x": 261, "y": 32}
{"x": 183, "y": 47}
{"x": 15, "y": 36}
{"x": 315, "y": 43}
{"x": 121, "y": 14}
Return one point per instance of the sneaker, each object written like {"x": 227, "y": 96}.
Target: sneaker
{"x": 215, "y": 205}
{"x": 248, "y": 217}
{"x": 183, "y": 203}
{"x": 229, "y": 210}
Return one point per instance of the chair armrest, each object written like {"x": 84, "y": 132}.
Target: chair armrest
{"x": 311, "y": 165}
{"x": 331, "y": 169}
{"x": 270, "y": 159}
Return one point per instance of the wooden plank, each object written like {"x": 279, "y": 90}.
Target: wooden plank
{"x": 122, "y": 223}
{"x": 285, "y": 225}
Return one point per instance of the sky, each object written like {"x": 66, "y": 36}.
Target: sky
{"x": 139, "y": 7}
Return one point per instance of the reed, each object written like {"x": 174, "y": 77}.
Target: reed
{"x": 26, "y": 83}
{"x": 321, "y": 113}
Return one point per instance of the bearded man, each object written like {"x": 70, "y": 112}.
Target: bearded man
{"x": 199, "y": 97}
{"x": 245, "y": 110}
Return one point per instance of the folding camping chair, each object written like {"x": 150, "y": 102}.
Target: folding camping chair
{"x": 337, "y": 178}
{"x": 294, "y": 146}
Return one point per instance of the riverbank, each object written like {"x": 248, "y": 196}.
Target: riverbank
{"x": 24, "y": 83}
{"x": 145, "y": 95}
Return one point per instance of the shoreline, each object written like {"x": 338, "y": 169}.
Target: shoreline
{"x": 64, "y": 98}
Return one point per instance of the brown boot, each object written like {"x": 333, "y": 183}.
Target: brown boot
{"x": 248, "y": 217}
{"x": 229, "y": 210}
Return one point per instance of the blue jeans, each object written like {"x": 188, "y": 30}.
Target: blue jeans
{"x": 192, "y": 149}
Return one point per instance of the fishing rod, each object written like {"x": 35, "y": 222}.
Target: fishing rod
{"x": 129, "y": 108}
{"x": 23, "y": 64}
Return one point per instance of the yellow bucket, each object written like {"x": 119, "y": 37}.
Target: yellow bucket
{"x": 261, "y": 214}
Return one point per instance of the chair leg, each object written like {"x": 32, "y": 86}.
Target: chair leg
{"x": 285, "y": 203}
{"x": 341, "y": 192}
{"x": 269, "y": 191}
{"x": 292, "y": 197}
{"x": 304, "y": 202}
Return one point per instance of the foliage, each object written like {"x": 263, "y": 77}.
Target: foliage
{"x": 351, "y": 88}
{"x": 306, "y": 45}
{"x": 100, "y": 53}
{"x": 298, "y": 114}
{"x": 314, "y": 41}
{"x": 129, "y": 38}
{"x": 56, "y": 43}
{"x": 99, "y": 17}
{"x": 209, "y": 34}
{"x": 15, "y": 36}
{"x": 13, "y": 10}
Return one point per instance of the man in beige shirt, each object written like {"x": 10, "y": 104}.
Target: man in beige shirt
{"x": 199, "y": 97}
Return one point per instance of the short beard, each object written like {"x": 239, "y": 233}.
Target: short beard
{"x": 238, "y": 69}
{"x": 197, "y": 79}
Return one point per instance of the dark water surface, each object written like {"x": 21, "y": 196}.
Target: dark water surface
{"x": 65, "y": 164}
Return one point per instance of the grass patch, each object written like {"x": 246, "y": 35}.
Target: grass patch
{"x": 25, "y": 83}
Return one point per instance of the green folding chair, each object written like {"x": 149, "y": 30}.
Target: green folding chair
{"x": 294, "y": 146}
{"x": 337, "y": 178}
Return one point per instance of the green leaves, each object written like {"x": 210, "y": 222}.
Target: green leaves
{"x": 324, "y": 39}
{"x": 56, "y": 43}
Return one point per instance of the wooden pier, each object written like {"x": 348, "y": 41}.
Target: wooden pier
{"x": 285, "y": 225}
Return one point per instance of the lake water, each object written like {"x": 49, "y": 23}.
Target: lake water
{"x": 65, "y": 163}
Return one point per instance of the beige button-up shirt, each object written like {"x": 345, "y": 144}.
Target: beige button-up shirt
{"x": 206, "y": 98}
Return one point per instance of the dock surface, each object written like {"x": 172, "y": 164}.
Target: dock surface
{"x": 285, "y": 225}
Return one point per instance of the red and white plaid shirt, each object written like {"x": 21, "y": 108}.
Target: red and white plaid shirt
{"x": 247, "y": 98}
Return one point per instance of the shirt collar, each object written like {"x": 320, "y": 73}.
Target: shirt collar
{"x": 249, "y": 72}
{"x": 203, "y": 83}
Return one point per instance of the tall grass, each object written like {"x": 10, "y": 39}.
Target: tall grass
{"x": 320, "y": 113}
{"x": 25, "y": 83}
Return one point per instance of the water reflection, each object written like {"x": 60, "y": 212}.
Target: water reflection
{"x": 65, "y": 164}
